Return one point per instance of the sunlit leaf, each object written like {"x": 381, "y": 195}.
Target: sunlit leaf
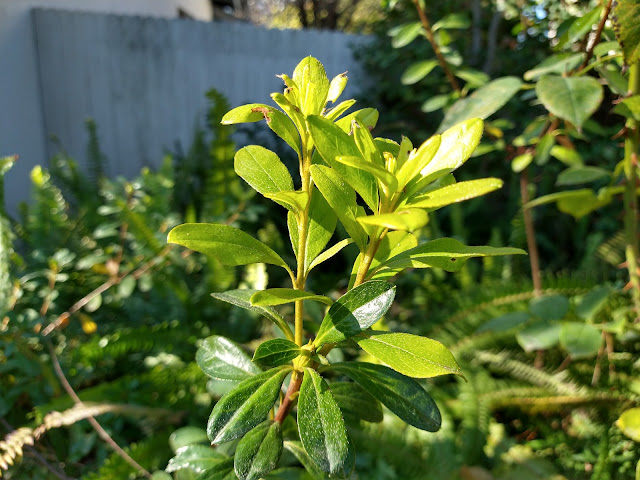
{"x": 222, "y": 359}
{"x": 280, "y": 296}
{"x": 276, "y": 352}
{"x": 259, "y": 451}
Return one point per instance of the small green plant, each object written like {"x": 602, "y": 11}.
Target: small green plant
{"x": 339, "y": 162}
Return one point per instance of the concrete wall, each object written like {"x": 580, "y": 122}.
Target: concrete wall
{"x": 142, "y": 79}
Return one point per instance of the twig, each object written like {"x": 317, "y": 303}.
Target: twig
{"x": 596, "y": 38}
{"x": 436, "y": 48}
{"x": 94, "y": 423}
{"x": 530, "y": 231}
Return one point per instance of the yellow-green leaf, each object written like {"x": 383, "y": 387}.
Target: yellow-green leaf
{"x": 458, "y": 192}
{"x": 280, "y": 296}
{"x": 629, "y": 423}
{"x": 408, "y": 219}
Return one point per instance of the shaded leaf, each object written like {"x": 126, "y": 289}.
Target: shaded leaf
{"x": 504, "y": 322}
{"x": 559, "y": 63}
{"x": 355, "y": 311}
{"x": 627, "y": 29}
{"x": 221, "y": 471}
{"x": 579, "y": 28}
{"x": 400, "y": 394}
{"x": 573, "y": 99}
{"x": 549, "y": 307}
{"x": 242, "y": 298}
{"x": 482, "y": 103}
{"x": 330, "y": 252}
{"x": 321, "y": 426}
{"x": 303, "y": 457}
{"x": 245, "y": 406}
{"x": 404, "y": 34}
{"x": 355, "y": 402}
{"x": 579, "y": 339}
{"x": 411, "y": 355}
{"x": 540, "y": 335}
{"x": 579, "y": 175}
{"x": 187, "y": 436}
{"x": 259, "y": 451}
{"x": 417, "y": 71}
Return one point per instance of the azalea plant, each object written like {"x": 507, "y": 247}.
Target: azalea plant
{"x": 382, "y": 193}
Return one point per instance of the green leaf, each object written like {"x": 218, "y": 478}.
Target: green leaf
{"x": 342, "y": 199}
{"x": 549, "y": 307}
{"x": 590, "y": 303}
{"x": 456, "y": 146}
{"x": 277, "y": 121}
{"x": 579, "y": 339}
{"x": 505, "y": 322}
{"x": 228, "y": 244}
{"x": 543, "y": 149}
{"x": 311, "y": 78}
{"x": 573, "y": 99}
{"x": 242, "y": 298}
{"x": 446, "y": 253}
{"x": 355, "y": 311}
{"x": 321, "y": 426}
{"x": 405, "y": 34}
{"x": 160, "y": 475}
{"x": 293, "y": 200}
{"x": 392, "y": 244}
{"x": 222, "y": 359}
{"x": 540, "y": 335}
{"x": 366, "y": 116}
{"x": 276, "y": 352}
{"x": 280, "y": 296}
{"x": 377, "y": 171}
{"x": 186, "y": 436}
{"x": 322, "y": 224}
{"x": 303, "y": 457}
{"x": 629, "y": 423}
{"x": 559, "y": 63}
{"x": 458, "y": 192}
{"x": 452, "y": 21}
{"x": 332, "y": 142}
{"x": 195, "y": 457}
{"x": 617, "y": 83}
{"x": 336, "y": 87}
{"x": 292, "y": 111}
{"x": 436, "y": 102}
{"x": 411, "y": 355}
{"x": 411, "y": 165}
{"x": 580, "y": 175}
{"x": 245, "y": 406}
{"x": 330, "y": 252}
{"x": 221, "y": 471}
{"x": 408, "y": 219}
{"x": 578, "y": 203}
{"x": 417, "y": 71}
{"x": 579, "y": 28}
{"x": 355, "y": 402}
{"x": 629, "y": 107}
{"x": 366, "y": 144}
{"x": 482, "y": 103}
{"x": 259, "y": 451}
{"x": 474, "y": 78}
{"x": 339, "y": 109}
{"x": 520, "y": 162}
{"x": 568, "y": 156}
{"x": 262, "y": 169}
{"x": 400, "y": 394}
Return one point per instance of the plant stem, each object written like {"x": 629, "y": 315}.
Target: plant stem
{"x": 436, "y": 48}
{"x": 367, "y": 258}
{"x": 630, "y": 200}
{"x": 596, "y": 39}
{"x": 530, "y": 231}
{"x": 287, "y": 402}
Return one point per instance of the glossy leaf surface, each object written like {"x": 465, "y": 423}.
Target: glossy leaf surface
{"x": 245, "y": 406}
{"x": 276, "y": 352}
{"x": 355, "y": 402}
{"x": 446, "y": 253}
{"x": 221, "y": 471}
{"x": 573, "y": 99}
{"x": 222, "y": 359}
{"x": 228, "y": 244}
{"x": 321, "y": 426}
{"x": 400, "y": 394}
{"x": 411, "y": 355}
{"x": 280, "y": 296}
{"x": 313, "y": 83}
{"x": 259, "y": 451}
{"x": 242, "y": 298}
{"x": 195, "y": 457}
{"x": 355, "y": 311}
{"x": 187, "y": 436}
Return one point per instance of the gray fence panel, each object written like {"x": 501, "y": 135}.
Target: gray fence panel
{"x": 143, "y": 80}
